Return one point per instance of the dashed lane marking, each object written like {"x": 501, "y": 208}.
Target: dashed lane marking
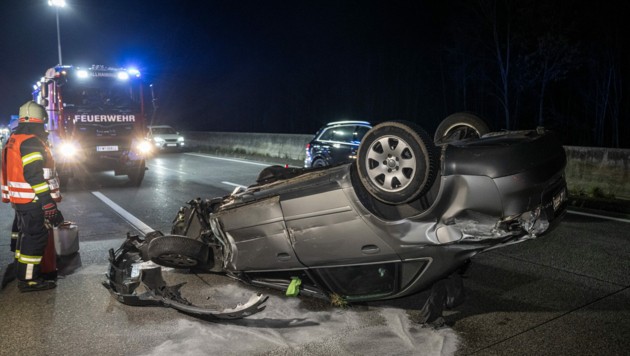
{"x": 157, "y": 166}
{"x": 132, "y": 220}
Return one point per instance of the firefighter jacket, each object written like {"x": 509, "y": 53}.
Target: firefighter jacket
{"x": 29, "y": 178}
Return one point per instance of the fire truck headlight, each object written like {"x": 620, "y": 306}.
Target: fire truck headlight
{"x": 134, "y": 72}
{"x": 144, "y": 147}
{"x": 123, "y": 75}
{"x": 69, "y": 149}
{"x": 82, "y": 73}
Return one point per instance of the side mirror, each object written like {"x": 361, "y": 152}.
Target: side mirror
{"x": 43, "y": 93}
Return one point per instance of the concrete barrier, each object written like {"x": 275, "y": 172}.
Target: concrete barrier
{"x": 591, "y": 171}
{"x": 289, "y": 148}
{"x": 599, "y": 172}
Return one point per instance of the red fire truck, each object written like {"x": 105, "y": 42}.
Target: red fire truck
{"x": 97, "y": 120}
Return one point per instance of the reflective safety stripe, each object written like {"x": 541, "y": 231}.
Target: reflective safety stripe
{"x": 23, "y": 195}
{"x": 13, "y": 184}
{"x": 21, "y": 190}
{"x": 48, "y": 173}
{"x": 29, "y": 259}
{"x": 32, "y": 157}
{"x": 5, "y": 194}
{"x": 17, "y": 254}
{"x": 15, "y": 235}
{"x": 53, "y": 183}
{"x": 41, "y": 187}
{"x": 29, "y": 271}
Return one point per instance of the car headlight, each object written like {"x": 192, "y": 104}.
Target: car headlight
{"x": 144, "y": 147}
{"x": 158, "y": 140}
{"x": 180, "y": 139}
{"x": 69, "y": 149}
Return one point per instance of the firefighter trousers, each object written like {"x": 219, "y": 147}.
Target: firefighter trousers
{"x": 31, "y": 243}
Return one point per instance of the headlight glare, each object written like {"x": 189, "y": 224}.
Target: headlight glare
{"x": 69, "y": 149}
{"x": 144, "y": 147}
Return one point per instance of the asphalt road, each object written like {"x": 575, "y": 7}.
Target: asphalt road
{"x": 563, "y": 294}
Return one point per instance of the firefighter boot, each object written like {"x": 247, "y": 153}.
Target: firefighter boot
{"x": 35, "y": 285}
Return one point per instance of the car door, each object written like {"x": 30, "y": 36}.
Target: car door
{"x": 341, "y": 144}
{"x": 359, "y": 132}
{"x": 325, "y": 229}
{"x": 335, "y": 243}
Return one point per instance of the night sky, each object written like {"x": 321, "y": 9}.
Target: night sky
{"x": 291, "y": 66}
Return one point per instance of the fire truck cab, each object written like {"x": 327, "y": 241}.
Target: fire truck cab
{"x": 97, "y": 120}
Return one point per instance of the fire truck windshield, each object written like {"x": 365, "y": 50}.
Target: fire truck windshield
{"x": 101, "y": 95}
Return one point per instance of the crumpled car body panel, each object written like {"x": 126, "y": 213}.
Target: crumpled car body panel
{"x": 133, "y": 281}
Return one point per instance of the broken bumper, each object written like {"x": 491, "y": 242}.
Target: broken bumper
{"x": 133, "y": 280}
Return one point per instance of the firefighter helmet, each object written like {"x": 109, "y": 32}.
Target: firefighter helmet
{"x": 32, "y": 112}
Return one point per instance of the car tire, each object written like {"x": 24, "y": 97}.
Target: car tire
{"x": 460, "y": 126}
{"x": 319, "y": 162}
{"x": 178, "y": 252}
{"x": 397, "y": 162}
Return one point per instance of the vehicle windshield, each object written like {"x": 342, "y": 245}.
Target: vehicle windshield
{"x": 163, "y": 131}
{"x": 100, "y": 95}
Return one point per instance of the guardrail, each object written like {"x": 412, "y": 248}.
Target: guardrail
{"x": 594, "y": 171}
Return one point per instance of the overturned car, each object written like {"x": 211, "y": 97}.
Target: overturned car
{"x": 409, "y": 212}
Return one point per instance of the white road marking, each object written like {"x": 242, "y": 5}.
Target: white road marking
{"x": 135, "y": 222}
{"x": 157, "y": 166}
{"x": 598, "y": 216}
{"x": 228, "y": 159}
{"x": 234, "y": 184}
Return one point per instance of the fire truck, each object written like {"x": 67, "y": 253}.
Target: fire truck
{"x": 97, "y": 120}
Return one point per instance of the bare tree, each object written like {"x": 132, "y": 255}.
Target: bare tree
{"x": 550, "y": 61}
{"x": 608, "y": 90}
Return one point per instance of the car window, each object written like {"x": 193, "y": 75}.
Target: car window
{"x": 327, "y": 135}
{"x": 344, "y": 134}
{"x": 163, "y": 130}
{"x": 338, "y": 134}
{"x": 361, "y": 131}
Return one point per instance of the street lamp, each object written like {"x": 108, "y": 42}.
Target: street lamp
{"x": 57, "y": 4}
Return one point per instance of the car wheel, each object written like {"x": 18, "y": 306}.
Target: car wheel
{"x": 460, "y": 126}
{"x": 178, "y": 252}
{"x": 320, "y": 162}
{"x": 397, "y": 162}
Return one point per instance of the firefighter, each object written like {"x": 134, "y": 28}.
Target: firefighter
{"x": 29, "y": 183}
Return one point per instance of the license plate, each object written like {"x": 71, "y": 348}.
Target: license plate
{"x": 171, "y": 144}
{"x": 106, "y": 148}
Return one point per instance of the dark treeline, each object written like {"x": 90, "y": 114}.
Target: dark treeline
{"x": 519, "y": 64}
